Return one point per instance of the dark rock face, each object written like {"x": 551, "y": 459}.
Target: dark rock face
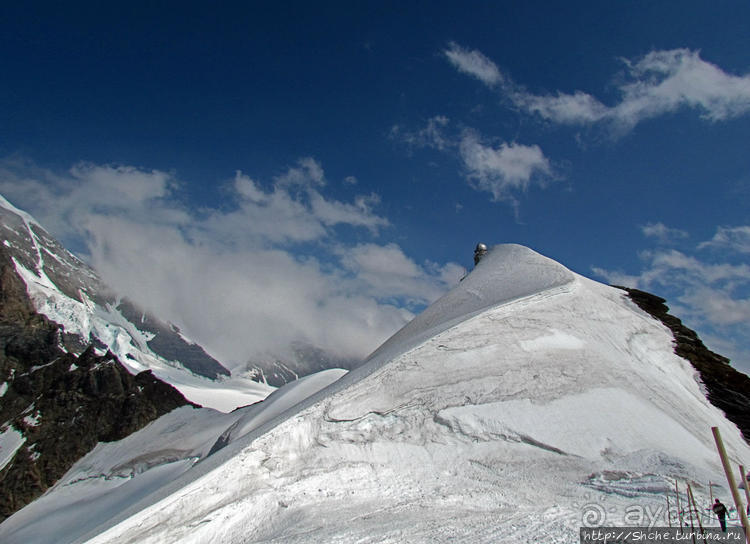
{"x": 168, "y": 343}
{"x": 62, "y": 404}
{"x": 727, "y": 388}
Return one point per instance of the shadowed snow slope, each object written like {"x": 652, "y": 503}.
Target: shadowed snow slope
{"x": 518, "y": 406}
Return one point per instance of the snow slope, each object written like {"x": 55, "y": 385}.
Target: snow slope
{"x": 116, "y": 475}
{"x": 525, "y": 403}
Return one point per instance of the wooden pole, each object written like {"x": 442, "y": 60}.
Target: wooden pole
{"x": 743, "y": 475}
{"x": 731, "y": 482}
{"x": 695, "y": 507}
{"x": 679, "y": 509}
{"x": 690, "y": 511}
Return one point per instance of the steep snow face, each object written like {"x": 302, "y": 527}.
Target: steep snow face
{"x": 69, "y": 293}
{"x": 524, "y": 404}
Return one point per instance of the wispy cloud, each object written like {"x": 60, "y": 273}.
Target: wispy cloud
{"x": 504, "y": 169}
{"x": 661, "y": 82}
{"x": 386, "y": 272}
{"x": 264, "y": 270}
{"x": 473, "y": 63}
{"x": 432, "y": 135}
{"x": 662, "y": 233}
{"x": 733, "y": 238}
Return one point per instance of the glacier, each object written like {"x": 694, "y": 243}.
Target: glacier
{"x": 527, "y": 402}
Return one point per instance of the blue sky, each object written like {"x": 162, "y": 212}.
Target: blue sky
{"x": 321, "y": 172}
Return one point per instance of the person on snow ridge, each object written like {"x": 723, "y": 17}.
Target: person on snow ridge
{"x": 479, "y": 252}
{"x": 721, "y": 512}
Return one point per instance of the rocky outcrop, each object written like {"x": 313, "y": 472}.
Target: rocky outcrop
{"x": 727, "y": 388}
{"x": 60, "y": 404}
{"x": 168, "y": 342}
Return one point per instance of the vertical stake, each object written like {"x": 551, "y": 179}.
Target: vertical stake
{"x": 743, "y": 475}
{"x": 690, "y": 511}
{"x": 695, "y": 507}
{"x": 730, "y": 481}
{"x": 679, "y": 510}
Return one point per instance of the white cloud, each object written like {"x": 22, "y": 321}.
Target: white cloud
{"x": 292, "y": 210}
{"x": 473, "y": 63}
{"x": 662, "y": 233}
{"x": 666, "y": 80}
{"x": 64, "y": 202}
{"x": 431, "y": 135}
{"x": 386, "y": 272}
{"x": 717, "y": 306}
{"x": 661, "y": 82}
{"x": 307, "y": 173}
{"x": 359, "y": 214}
{"x": 668, "y": 266}
{"x": 572, "y": 109}
{"x": 251, "y": 277}
{"x": 503, "y": 169}
{"x": 732, "y": 238}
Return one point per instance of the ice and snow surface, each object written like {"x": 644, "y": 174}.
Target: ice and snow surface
{"x": 10, "y": 440}
{"x": 522, "y": 403}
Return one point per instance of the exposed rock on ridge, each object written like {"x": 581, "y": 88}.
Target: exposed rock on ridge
{"x": 60, "y": 403}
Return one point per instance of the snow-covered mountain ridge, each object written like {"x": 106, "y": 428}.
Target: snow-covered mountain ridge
{"x": 69, "y": 293}
{"x": 518, "y": 404}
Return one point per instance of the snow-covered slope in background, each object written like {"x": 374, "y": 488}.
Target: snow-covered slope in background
{"x": 522, "y": 403}
{"x": 69, "y": 293}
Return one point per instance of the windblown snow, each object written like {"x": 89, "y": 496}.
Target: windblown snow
{"x": 527, "y": 402}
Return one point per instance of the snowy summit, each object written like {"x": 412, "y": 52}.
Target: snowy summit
{"x": 525, "y": 403}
